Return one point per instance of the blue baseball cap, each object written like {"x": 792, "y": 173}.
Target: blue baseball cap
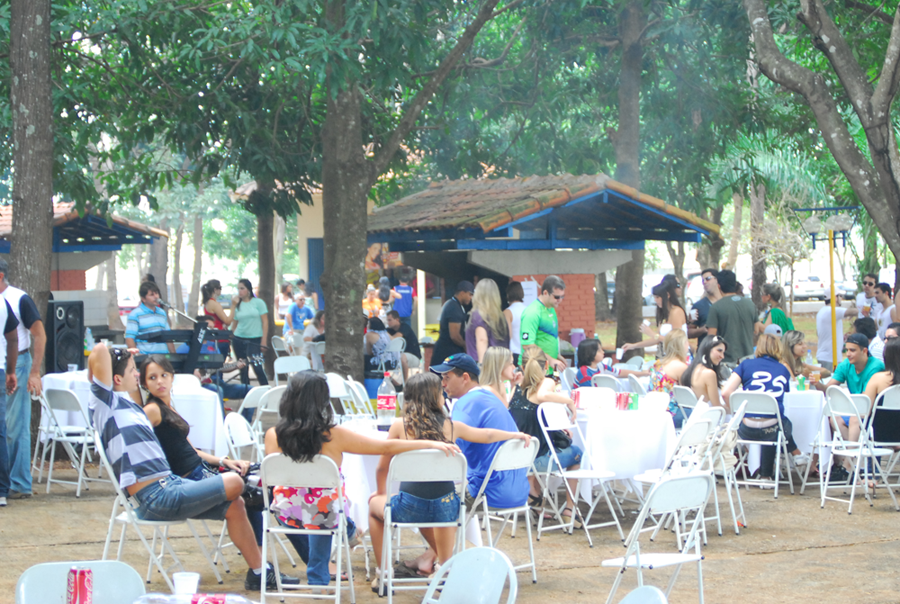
{"x": 460, "y": 361}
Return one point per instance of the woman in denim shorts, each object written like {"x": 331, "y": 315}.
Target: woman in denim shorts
{"x": 537, "y": 388}
{"x": 424, "y": 419}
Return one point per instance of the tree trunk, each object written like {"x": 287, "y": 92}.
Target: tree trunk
{"x": 601, "y": 298}
{"x": 265, "y": 225}
{"x": 738, "y": 200}
{"x": 677, "y": 254}
{"x": 278, "y": 245}
{"x": 177, "y": 294}
{"x": 344, "y": 204}
{"x": 32, "y": 115}
{"x": 159, "y": 260}
{"x": 629, "y": 277}
{"x": 113, "y": 319}
{"x": 757, "y": 257}
{"x": 194, "y": 300}
{"x": 709, "y": 252}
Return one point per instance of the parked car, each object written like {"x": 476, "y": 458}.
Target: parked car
{"x": 810, "y": 288}
{"x": 847, "y": 289}
{"x": 694, "y": 290}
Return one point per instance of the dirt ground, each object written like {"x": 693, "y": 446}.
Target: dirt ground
{"x": 791, "y": 551}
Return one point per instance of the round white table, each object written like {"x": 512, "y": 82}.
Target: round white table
{"x": 804, "y": 409}
{"x": 199, "y": 407}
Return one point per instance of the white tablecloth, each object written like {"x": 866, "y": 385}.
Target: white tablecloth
{"x": 804, "y": 409}
{"x": 200, "y": 408}
{"x": 625, "y": 442}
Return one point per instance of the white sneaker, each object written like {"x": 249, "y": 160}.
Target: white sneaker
{"x": 2, "y": 502}
{"x": 802, "y": 460}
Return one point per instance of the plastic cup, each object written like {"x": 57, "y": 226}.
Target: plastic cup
{"x": 619, "y": 353}
{"x": 186, "y": 583}
{"x": 72, "y": 367}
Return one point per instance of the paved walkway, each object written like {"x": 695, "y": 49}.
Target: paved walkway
{"x": 792, "y": 551}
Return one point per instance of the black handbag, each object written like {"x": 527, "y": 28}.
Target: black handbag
{"x": 560, "y": 440}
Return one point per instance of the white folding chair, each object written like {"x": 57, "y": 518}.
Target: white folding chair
{"x": 724, "y": 462}
{"x": 397, "y": 345}
{"x": 114, "y": 582}
{"x": 602, "y": 380}
{"x": 420, "y": 466}
{"x": 337, "y": 388}
{"x": 474, "y": 576}
{"x": 320, "y": 473}
{"x": 685, "y": 399}
{"x": 636, "y": 385}
{"x": 567, "y": 378}
{"x": 128, "y": 517}
{"x": 295, "y": 344}
{"x": 674, "y": 494}
{"x": 361, "y": 400}
{"x": 645, "y": 594}
{"x": 763, "y": 404}
{"x": 185, "y": 382}
{"x": 888, "y": 401}
{"x": 279, "y": 346}
{"x": 318, "y": 353}
{"x": 251, "y": 400}
{"x": 839, "y": 403}
{"x": 512, "y": 455}
{"x": 290, "y": 365}
{"x": 552, "y": 417}
{"x": 240, "y": 436}
{"x": 57, "y": 404}
{"x": 268, "y": 405}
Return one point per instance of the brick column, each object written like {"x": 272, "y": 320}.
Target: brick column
{"x": 68, "y": 281}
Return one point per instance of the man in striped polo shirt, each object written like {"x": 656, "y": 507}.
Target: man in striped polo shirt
{"x": 143, "y": 472}
{"x": 148, "y": 318}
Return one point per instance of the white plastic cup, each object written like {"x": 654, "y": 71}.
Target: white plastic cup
{"x": 186, "y": 583}
{"x": 619, "y": 353}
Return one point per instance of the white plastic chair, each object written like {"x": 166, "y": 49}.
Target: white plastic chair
{"x": 240, "y": 435}
{"x": 636, "y": 385}
{"x": 318, "y": 353}
{"x": 252, "y": 398}
{"x": 552, "y": 417}
{"x": 675, "y": 494}
{"x": 289, "y": 365}
{"x": 420, "y": 466}
{"x": 654, "y": 401}
{"x": 279, "y": 346}
{"x": 724, "y": 462}
{"x": 763, "y": 404}
{"x": 601, "y": 380}
{"x": 321, "y": 472}
{"x": 889, "y": 401}
{"x": 114, "y": 582}
{"x": 474, "y": 576}
{"x": 57, "y": 404}
{"x": 185, "y": 382}
{"x": 361, "y": 400}
{"x": 337, "y": 388}
{"x": 645, "y": 594}
{"x": 637, "y": 361}
{"x": 295, "y": 344}
{"x": 685, "y": 399}
{"x": 840, "y": 403}
{"x": 268, "y": 405}
{"x": 128, "y": 517}
{"x": 567, "y": 378}
{"x": 512, "y": 455}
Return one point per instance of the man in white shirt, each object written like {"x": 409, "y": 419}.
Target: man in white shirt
{"x": 886, "y": 316}
{"x": 823, "y": 331}
{"x": 866, "y": 304}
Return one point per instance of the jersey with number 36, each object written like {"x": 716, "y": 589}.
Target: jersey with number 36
{"x": 765, "y": 374}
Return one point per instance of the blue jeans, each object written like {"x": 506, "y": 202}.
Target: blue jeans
{"x": 767, "y": 454}
{"x": 228, "y": 390}
{"x": 568, "y": 457}
{"x": 407, "y": 320}
{"x": 18, "y": 428}
{"x": 4, "y": 454}
{"x": 409, "y": 508}
{"x": 314, "y": 550}
{"x": 177, "y": 498}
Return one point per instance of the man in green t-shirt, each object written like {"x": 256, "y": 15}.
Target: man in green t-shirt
{"x": 734, "y": 318}
{"x": 539, "y": 324}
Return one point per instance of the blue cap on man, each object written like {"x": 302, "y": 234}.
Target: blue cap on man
{"x": 460, "y": 361}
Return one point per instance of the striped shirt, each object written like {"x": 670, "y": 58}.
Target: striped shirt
{"x": 142, "y": 322}
{"x": 127, "y": 435}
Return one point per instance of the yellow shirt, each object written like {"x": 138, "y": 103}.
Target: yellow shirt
{"x": 372, "y": 308}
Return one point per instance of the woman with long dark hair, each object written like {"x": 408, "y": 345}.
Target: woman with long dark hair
{"x": 706, "y": 373}
{"x": 669, "y": 312}
{"x": 424, "y": 418}
{"x": 284, "y": 300}
{"x": 250, "y": 319}
{"x": 211, "y": 308}
{"x": 306, "y": 428}
{"x": 157, "y": 375}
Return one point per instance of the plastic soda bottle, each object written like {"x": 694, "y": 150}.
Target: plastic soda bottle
{"x": 386, "y": 402}
{"x": 801, "y": 383}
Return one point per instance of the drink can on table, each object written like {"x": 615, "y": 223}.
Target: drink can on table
{"x": 80, "y": 587}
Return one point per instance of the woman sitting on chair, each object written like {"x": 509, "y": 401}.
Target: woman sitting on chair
{"x": 537, "y": 388}
{"x": 591, "y": 361}
{"x": 706, "y": 374}
{"x": 157, "y": 375}
{"x": 668, "y": 371}
{"x": 304, "y": 430}
{"x": 424, "y": 418}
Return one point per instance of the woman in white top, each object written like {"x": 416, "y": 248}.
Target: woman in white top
{"x": 668, "y": 312}
{"x": 513, "y": 313}
{"x": 284, "y": 300}
{"x": 315, "y": 328}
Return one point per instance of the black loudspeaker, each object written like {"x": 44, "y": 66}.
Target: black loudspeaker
{"x": 65, "y": 335}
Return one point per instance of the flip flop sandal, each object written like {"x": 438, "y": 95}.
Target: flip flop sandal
{"x": 402, "y": 571}
{"x": 577, "y": 524}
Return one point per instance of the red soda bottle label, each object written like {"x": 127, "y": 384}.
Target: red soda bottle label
{"x": 208, "y": 599}
{"x": 387, "y": 402}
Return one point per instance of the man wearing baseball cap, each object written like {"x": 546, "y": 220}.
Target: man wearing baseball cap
{"x": 452, "y": 338}
{"x": 480, "y": 408}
